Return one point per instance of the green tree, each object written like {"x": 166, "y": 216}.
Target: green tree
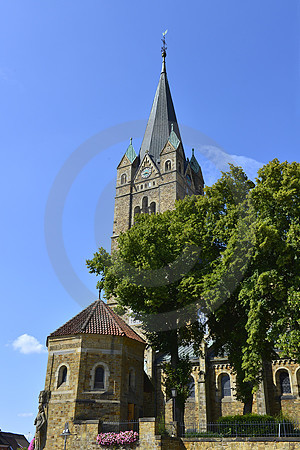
{"x": 264, "y": 306}
{"x": 163, "y": 264}
{"x": 271, "y": 289}
{"x": 233, "y": 255}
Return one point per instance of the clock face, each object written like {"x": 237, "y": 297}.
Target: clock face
{"x": 146, "y": 172}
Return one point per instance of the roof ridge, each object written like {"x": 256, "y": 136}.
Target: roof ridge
{"x": 93, "y": 309}
{"x": 114, "y": 317}
{"x": 119, "y": 319}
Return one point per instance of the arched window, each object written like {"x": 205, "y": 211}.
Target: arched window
{"x": 284, "y": 381}
{"x": 145, "y": 205}
{"x": 168, "y": 166}
{"x": 298, "y": 381}
{"x": 99, "y": 378}
{"x": 123, "y": 178}
{"x": 225, "y": 386}
{"x": 152, "y": 208}
{"x": 62, "y": 375}
{"x": 192, "y": 387}
{"x": 179, "y": 167}
{"x": 137, "y": 210}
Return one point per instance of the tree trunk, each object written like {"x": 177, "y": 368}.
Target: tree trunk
{"x": 248, "y": 405}
{"x": 179, "y": 411}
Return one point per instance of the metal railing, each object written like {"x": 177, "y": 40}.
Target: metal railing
{"x": 239, "y": 429}
{"x": 116, "y": 427}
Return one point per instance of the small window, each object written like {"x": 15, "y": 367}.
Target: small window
{"x": 152, "y": 208}
{"x": 123, "y": 178}
{"x": 99, "y": 378}
{"x": 225, "y": 386}
{"x": 62, "y": 375}
{"x": 179, "y": 167}
{"x": 168, "y": 166}
{"x": 284, "y": 380}
{"x": 192, "y": 387}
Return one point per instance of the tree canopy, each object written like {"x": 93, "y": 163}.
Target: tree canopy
{"x": 232, "y": 255}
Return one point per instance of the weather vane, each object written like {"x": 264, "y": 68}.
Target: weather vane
{"x": 164, "y": 46}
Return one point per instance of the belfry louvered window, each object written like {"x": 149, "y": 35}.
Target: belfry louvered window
{"x": 99, "y": 378}
{"x": 145, "y": 205}
{"x": 152, "y": 208}
{"x": 285, "y": 385}
{"x": 168, "y": 166}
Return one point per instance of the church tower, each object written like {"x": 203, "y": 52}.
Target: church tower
{"x": 150, "y": 182}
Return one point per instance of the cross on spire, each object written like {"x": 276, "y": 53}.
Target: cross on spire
{"x": 164, "y": 52}
{"x": 164, "y": 46}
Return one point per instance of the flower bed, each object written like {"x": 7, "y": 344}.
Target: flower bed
{"x": 122, "y": 439}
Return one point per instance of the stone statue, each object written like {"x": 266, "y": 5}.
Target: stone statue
{"x": 41, "y": 421}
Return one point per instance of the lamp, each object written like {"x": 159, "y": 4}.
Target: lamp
{"x": 65, "y": 434}
{"x": 174, "y": 395}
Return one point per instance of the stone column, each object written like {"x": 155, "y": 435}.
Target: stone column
{"x": 147, "y": 433}
{"x": 202, "y": 389}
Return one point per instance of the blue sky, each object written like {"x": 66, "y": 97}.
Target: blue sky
{"x": 77, "y": 80}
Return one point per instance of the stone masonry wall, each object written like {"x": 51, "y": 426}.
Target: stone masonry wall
{"x": 150, "y": 440}
{"x": 76, "y": 401}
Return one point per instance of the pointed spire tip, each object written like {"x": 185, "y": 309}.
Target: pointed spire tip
{"x": 164, "y": 52}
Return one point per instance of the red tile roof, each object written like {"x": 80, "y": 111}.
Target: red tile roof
{"x": 97, "y": 318}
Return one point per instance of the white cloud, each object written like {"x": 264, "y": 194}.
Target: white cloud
{"x": 213, "y": 158}
{"x": 249, "y": 165}
{"x": 27, "y": 344}
{"x": 25, "y": 414}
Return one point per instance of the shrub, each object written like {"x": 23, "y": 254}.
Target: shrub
{"x": 247, "y": 418}
{"x": 255, "y": 425}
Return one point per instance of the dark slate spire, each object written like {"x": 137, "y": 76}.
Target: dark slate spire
{"x": 161, "y": 117}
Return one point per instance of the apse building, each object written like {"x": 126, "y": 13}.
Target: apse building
{"x": 100, "y": 367}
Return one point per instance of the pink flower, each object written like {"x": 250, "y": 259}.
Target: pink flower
{"x": 31, "y": 445}
{"x": 122, "y": 438}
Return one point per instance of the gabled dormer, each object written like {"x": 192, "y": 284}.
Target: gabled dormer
{"x": 146, "y": 172}
{"x": 172, "y": 155}
{"x": 197, "y": 174}
{"x": 127, "y": 166}
{"x": 189, "y": 178}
